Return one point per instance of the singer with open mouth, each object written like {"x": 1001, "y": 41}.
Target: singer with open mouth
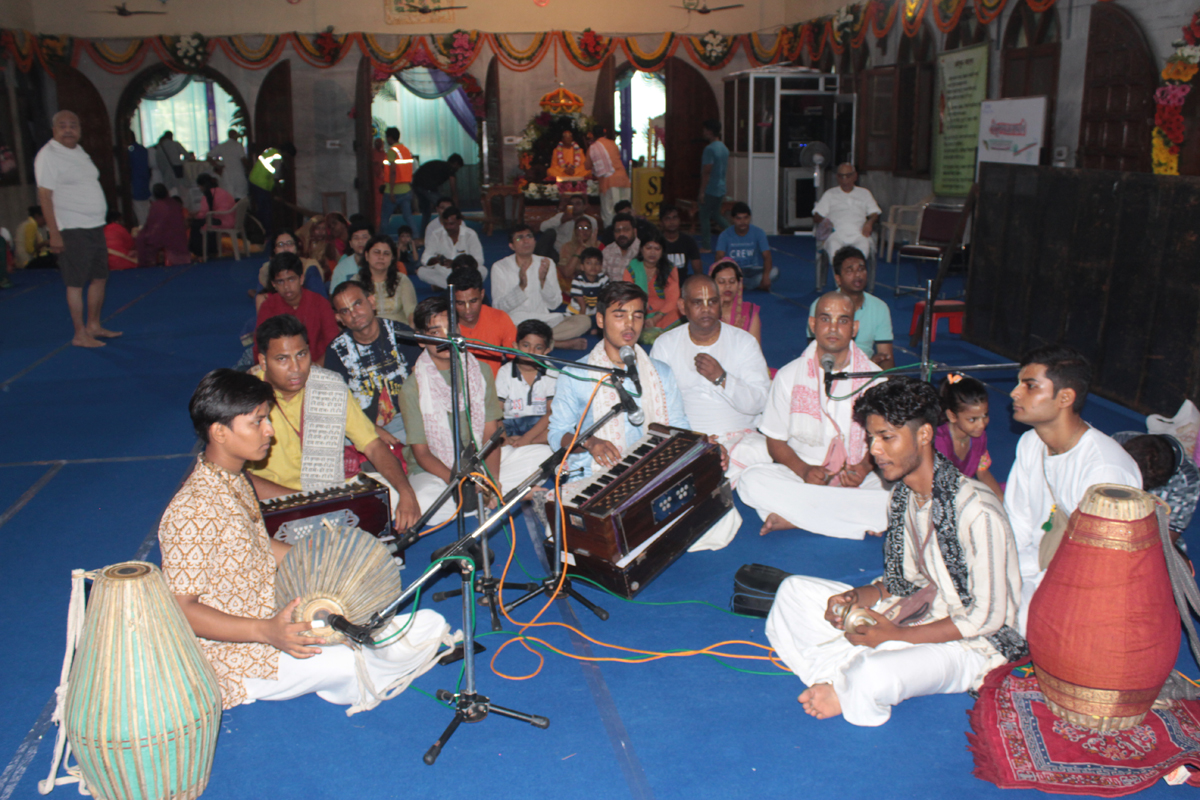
{"x": 620, "y": 315}
{"x": 822, "y": 479}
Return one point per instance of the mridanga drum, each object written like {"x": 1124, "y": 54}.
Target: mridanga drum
{"x": 344, "y": 571}
{"x": 143, "y": 706}
{"x": 1103, "y": 629}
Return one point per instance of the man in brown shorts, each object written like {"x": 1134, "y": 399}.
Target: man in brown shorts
{"x": 75, "y": 207}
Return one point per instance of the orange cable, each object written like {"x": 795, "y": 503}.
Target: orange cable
{"x": 652, "y": 655}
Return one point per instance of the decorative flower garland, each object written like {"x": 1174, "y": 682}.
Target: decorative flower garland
{"x": 190, "y": 52}
{"x": 1169, "y": 128}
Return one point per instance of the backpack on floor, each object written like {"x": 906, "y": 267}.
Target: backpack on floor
{"x": 754, "y": 588}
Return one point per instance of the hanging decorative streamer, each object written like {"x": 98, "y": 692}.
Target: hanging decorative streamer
{"x": 946, "y": 13}
{"x": 988, "y": 10}
{"x": 883, "y": 17}
{"x": 914, "y": 16}
{"x": 456, "y": 52}
{"x": 653, "y": 61}
{"x": 116, "y": 62}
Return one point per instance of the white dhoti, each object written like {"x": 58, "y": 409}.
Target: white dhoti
{"x": 746, "y": 448}
{"x": 334, "y": 676}
{"x": 516, "y": 464}
{"x": 868, "y": 682}
{"x": 836, "y": 511}
{"x": 839, "y": 239}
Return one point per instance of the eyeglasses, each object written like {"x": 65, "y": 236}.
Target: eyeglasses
{"x": 523, "y": 237}
{"x": 285, "y": 244}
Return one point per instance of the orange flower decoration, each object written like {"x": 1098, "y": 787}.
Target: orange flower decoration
{"x": 1179, "y": 70}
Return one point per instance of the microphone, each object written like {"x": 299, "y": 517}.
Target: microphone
{"x": 630, "y": 359}
{"x": 636, "y": 415}
{"x": 827, "y": 368}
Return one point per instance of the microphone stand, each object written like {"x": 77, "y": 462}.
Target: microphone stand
{"x": 926, "y": 369}
{"x": 467, "y": 460}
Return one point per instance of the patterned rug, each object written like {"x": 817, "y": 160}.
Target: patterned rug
{"x": 1020, "y": 744}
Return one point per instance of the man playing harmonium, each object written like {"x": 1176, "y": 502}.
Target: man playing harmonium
{"x": 944, "y": 613}
{"x": 221, "y": 565}
{"x": 620, "y": 314}
{"x": 314, "y": 412}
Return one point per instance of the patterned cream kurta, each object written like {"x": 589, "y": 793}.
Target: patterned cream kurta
{"x": 214, "y": 546}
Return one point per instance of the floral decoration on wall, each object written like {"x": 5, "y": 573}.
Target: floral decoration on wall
{"x": 190, "y": 51}
{"x": 1169, "y": 128}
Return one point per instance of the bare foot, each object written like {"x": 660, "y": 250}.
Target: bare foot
{"x": 821, "y": 701}
{"x": 775, "y": 523}
{"x": 876, "y": 533}
{"x": 86, "y": 340}
{"x": 104, "y": 333}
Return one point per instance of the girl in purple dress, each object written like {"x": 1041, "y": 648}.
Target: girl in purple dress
{"x": 962, "y": 438}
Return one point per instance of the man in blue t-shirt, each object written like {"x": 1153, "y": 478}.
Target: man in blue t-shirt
{"x": 747, "y": 245}
{"x": 712, "y": 182}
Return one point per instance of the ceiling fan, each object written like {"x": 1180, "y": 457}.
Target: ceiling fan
{"x": 123, "y": 11}
{"x": 417, "y": 9}
{"x": 704, "y": 9}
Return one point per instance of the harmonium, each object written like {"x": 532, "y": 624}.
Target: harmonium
{"x": 625, "y": 525}
{"x": 361, "y": 502}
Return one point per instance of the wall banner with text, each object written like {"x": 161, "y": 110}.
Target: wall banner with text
{"x": 962, "y": 79}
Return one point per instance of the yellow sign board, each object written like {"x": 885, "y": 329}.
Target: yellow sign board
{"x": 647, "y": 192}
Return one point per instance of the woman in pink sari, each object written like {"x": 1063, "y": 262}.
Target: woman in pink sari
{"x": 734, "y": 309}
{"x": 165, "y": 230}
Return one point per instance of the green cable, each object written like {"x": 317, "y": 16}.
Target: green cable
{"x": 671, "y": 603}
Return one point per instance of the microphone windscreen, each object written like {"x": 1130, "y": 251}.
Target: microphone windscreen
{"x": 630, "y": 358}
{"x": 827, "y": 362}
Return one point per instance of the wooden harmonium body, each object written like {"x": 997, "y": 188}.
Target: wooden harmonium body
{"x": 361, "y": 502}
{"x": 626, "y": 525}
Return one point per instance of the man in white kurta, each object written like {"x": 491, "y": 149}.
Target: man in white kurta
{"x": 944, "y": 613}
{"x": 721, "y": 373}
{"x": 525, "y": 286}
{"x": 1058, "y": 460}
{"x": 822, "y": 479}
{"x": 442, "y": 247}
{"x": 851, "y": 209}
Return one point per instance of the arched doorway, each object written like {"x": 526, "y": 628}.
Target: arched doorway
{"x": 640, "y": 103}
{"x": 273, "y": 128}
{"x": 76, "y": 93}
{"x": 127, "y": 108}
{"x": 690, "y": 101}
{"x": 1118, "y": 93}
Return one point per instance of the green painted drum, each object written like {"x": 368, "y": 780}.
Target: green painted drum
{"x": 144, "y": 706}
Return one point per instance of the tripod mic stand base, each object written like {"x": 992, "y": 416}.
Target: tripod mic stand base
{"x": 472, "y": 707}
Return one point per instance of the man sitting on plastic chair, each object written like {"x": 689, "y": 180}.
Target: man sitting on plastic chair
{"x": 851, "y": 209}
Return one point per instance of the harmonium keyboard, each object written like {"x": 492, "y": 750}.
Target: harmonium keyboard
{"x": 625, "y": 525}
{"x": 361, "y": 502}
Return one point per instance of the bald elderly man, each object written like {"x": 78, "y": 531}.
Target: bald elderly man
{"x": 822, "y": 478}
{"x": 75, "y": 209}
{"x": 851, "y": 210}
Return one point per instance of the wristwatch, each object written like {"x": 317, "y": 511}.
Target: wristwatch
{"x": 720, "y": 381}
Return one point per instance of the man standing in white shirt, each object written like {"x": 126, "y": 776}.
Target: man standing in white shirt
{"x": 525, "y": 286}
{"x": 231, "y": 157}
{"x": 851, "y": 209}
{"x": 721, "y": 373}
{"x": 1057, "y": 461}
{"x": 74, "y": 206}
{"x": 453, "y": 240}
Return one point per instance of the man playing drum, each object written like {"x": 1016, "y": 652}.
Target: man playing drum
{"x": 220, "y": 564}
{"x": 944, "y": 613}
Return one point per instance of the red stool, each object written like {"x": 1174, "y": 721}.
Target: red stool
{"x": 951, "y": 310}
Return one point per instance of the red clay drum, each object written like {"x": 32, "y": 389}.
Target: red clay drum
{"x": 1103, "y": 630}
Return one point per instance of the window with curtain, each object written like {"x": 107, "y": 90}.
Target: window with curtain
{"x": 194, "y": 110}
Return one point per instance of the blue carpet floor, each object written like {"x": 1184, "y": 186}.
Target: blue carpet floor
{"x": 98, "y": 441}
